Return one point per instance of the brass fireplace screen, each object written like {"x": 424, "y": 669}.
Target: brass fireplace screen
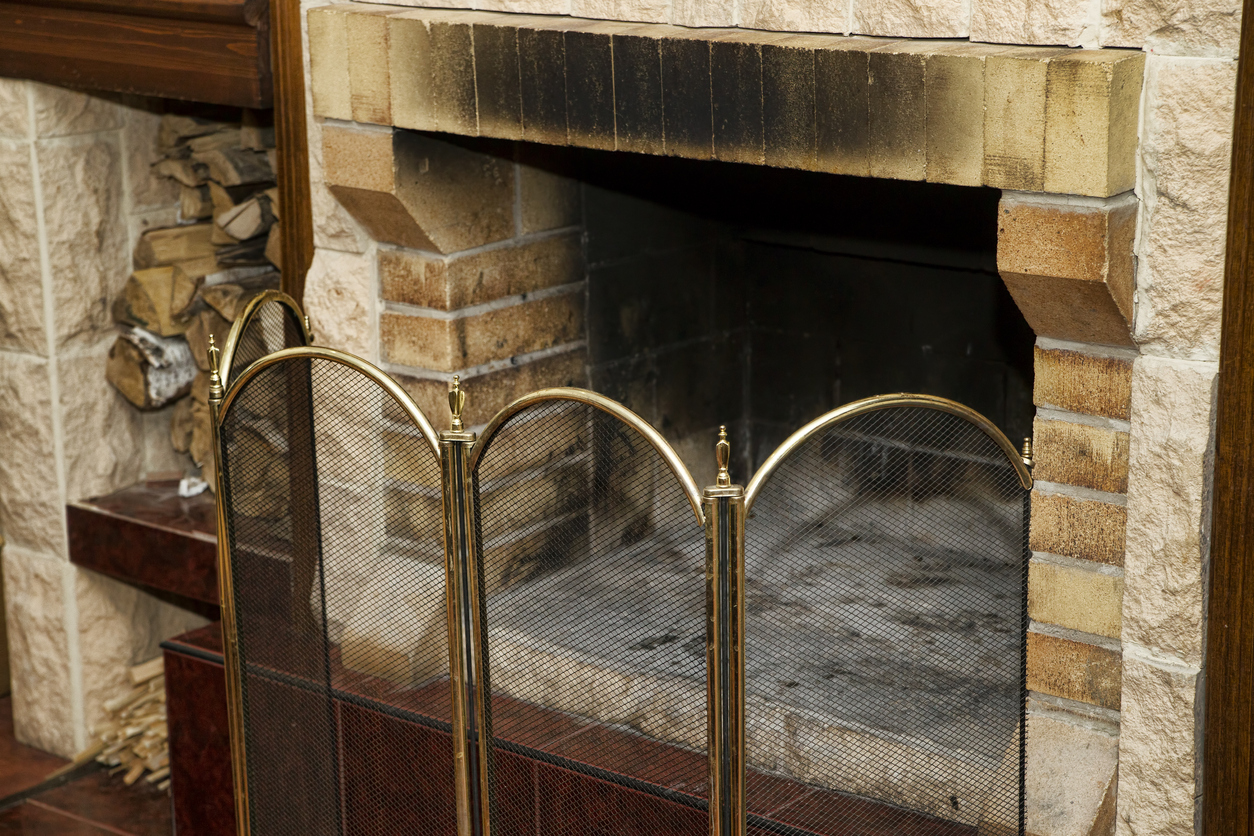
{"x": 548, "y": 629}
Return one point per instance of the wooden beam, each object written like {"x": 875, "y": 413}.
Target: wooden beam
{"x": 211, "y": 55}
{"x": 1227, "y": 788}
{"x": 295, "y": 206}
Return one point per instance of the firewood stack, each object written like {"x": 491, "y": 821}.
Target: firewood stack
{"x": 193, "y": 279}
{"x": 134, "y": 738}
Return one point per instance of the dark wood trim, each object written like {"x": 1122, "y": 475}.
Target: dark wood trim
{"x": 240, "y": 12}
{"x": 295, "y": 205}
{"x": 1227, "y": 792}
{"x": 203, "y": 57}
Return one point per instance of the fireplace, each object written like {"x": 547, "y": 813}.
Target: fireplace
{"x": 529, "y": 201}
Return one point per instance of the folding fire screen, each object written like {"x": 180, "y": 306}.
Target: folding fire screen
{"x": 548, "y": 629}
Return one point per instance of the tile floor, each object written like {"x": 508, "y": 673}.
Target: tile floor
{"x": 94, "y": 805}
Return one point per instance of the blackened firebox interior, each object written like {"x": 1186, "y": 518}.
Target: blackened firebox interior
{"x": 759, "y": 298}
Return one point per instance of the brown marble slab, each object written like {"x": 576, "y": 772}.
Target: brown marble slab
{"x": 149, "y": 536}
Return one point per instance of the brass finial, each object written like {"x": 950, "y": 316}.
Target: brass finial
{"x": 722, "y": 454}
{"x": 457, "y": 402}
{"x": 215, "y": 377}
{"x": 1027, "y": 452}
{"x": 308, "y": 328}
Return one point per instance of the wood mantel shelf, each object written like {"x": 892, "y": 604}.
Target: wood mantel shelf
{"x": 149, "y": 536}
{"x": 215, "y": 51}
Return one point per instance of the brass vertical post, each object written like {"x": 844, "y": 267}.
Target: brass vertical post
{"x": 472, "y": 712}
{"x": 725, "y": 641}
{"x": 226, "y": 595}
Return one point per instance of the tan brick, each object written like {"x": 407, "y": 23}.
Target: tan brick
{"x": 1069, "y": 266}
{"x": 1077, "y": 454}
{"x": 1081, "y": 528}
{"x": 1014, "y": 118}
{"x": 955, "y": 113}
{"x": 1084, "y": 383}
{"x": 1069, "y": 597}
{"x": 418, "y": 191}
{"x": 328, "y": 62}
{"x": 460, "y": 281}
{"x": 1074, "y": 670}
{"x": 451, "y": 344}
{"x": 487, "y": 393}
{"x": 898, "y": 146}
{"x": 370, "y": 86}
{"x": 1092, "y": 101}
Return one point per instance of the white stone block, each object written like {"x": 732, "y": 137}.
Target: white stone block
{"x": 14, "y": 111}
{"x": 912, "y": 18}
{"x": 1158, "y": 752}
{"x": 643, "y": 11}
{"x": 141, "y": 120}
{"x": 699, "y": 13}
{"x": 1195, "y": 27}
{"x": 1186, "y": 148}
{"x": 60, "y": 111}
{"x": 119, "y": 626}
{"x": 1168, "y": 505}
{"x": 102, "y": 433}
{"x": 88, "y": 259}
{"x": 21, "y": 271}
{"x": 1039, "y": 22}
{"x": 32, "y": 512}
{"x": 794, "y": 16}
{"x": 39, "y": 654}
{"x": 340, "y": 301}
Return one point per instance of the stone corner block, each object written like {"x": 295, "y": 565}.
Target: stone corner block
{"x": 417, "y": 191}
{"x": 34, "y": 590}
{"x": 1158, "y": 749}
{"x": 1172, "y": 430}
{"x": 339, "y": 298}
{"x": 1068, "y": 264}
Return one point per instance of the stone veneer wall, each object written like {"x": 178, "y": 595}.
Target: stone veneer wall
{"x": 1123, "y": 290}
{"x": 75, "y": 193}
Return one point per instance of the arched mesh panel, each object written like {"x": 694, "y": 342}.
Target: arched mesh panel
{"x": 270, "y": 326}
{"x": 886, "y": 572}
{"x": 332, "y": 500}
{"x": 595, "y": 620}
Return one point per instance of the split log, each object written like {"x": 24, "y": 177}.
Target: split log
{"x": 274, "y": 246}
{"x": 182, "y": 425}
{"x": 206, "y": 322}
{"x": 156, "y": 300}
{"x": 189, "y": 172}
{"x": 194, "y": 203}
{"x": 176, "y": 128}
{"x": 200, "y": 387}
{"x": 150, "y": 371}
{"x": 225, "y": 137}
{"x": 257, "y": 130}
{"x": 174, "y": 245}
{"x": 273, "y": 194}
{"x": 236, "y": 166}
{"x": 250, "y": 252}
{"x": 201, "y": 446}
{"x": 249, "y": 219}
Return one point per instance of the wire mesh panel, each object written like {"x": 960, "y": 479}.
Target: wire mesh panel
{"x": 332, "y": 501}
{"x": 268, "y": 327}
{"x": 886, "y": 572}
{"x": 595, "y": 619}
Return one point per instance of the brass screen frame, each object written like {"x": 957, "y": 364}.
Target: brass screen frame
{"x": 220, "y": 402}
{"x": 254, "y": 305}
{"x": 875, "y": 404}
{"x": 607, "y": 405}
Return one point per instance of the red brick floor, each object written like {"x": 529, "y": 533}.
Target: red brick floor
{"x": 94, "y": 805}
